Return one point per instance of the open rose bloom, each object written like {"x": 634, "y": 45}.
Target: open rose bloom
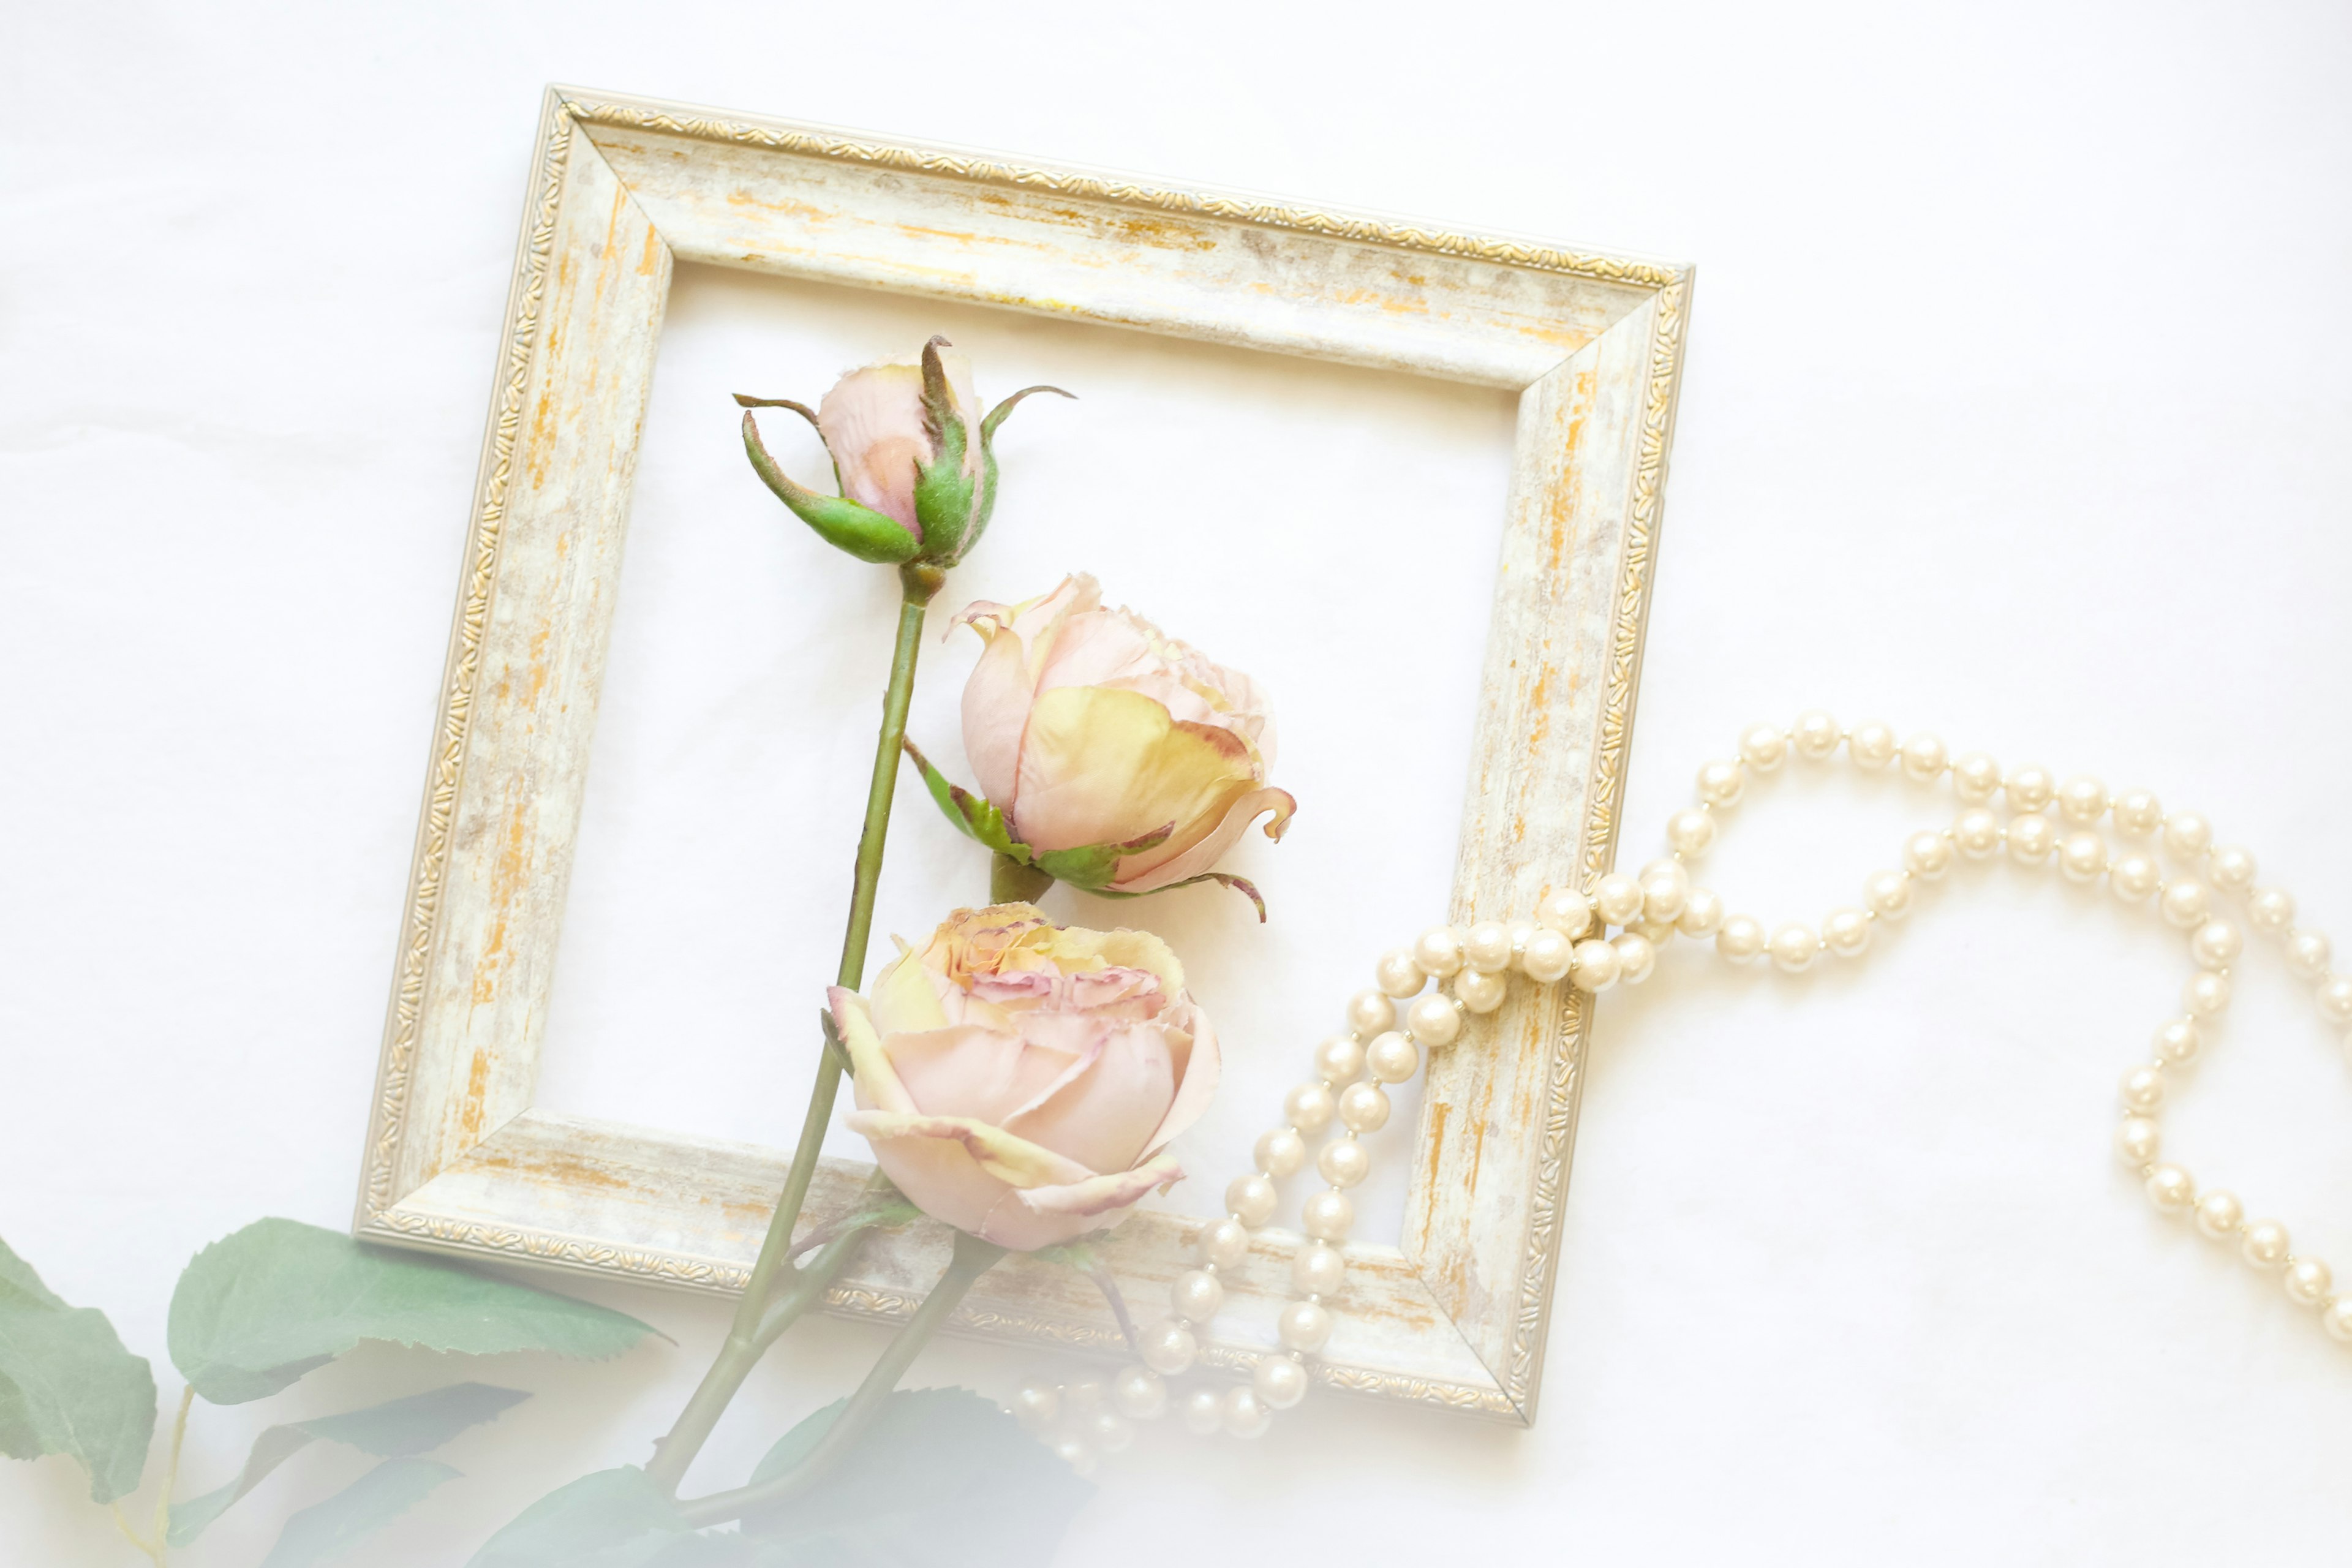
{"x": 1112, "y": 756}
{"x": 1021, "y": 1081}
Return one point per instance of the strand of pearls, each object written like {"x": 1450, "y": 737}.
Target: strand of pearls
{"x": 1422, "y": 995}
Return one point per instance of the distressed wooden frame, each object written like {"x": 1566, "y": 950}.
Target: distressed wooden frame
{"x": 458, "y": 1160}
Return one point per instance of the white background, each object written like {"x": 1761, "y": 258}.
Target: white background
{"x": 2017, "y": 392}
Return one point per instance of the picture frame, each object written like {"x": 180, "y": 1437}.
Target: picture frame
{"x": 458, "y": 1160}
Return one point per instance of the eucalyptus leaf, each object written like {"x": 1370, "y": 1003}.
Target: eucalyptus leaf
{"x": 942, "y": 1478}
{"x": 256, "y": 1310}
{"x": 612, "y": 1519}
{"x": 395, "y": 1428}
{"x": 324, "y": 1531}
{"x": 68, "y": 1386}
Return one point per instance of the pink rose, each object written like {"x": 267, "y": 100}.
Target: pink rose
{"x": 1112, "y": 756}
{"x": 1021, "y": 1081}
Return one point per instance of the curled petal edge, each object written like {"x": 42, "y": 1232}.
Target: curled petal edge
{"x": 1102, "y": 1194}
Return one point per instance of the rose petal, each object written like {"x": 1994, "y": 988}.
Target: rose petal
{"x": 1119, "y": 648}
{"x": 1163, "y": 866}
{"x": 1200, "y": 1066}
{"x": 989, "y": 1074}
{"x": 1100, "y": 766}
{"x": 877, "y": 1084}
{"x": 1104, "y": 1116}
{"x": 1103, "y": 1194}
{"x": 1011, "y": 1160}
{"x": 995, "y": 713}
{"x": 872, "y": 421}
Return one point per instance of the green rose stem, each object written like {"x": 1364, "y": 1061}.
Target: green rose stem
{"x": 973, "y": 1259}
{"x": 1011, "y": 882}
{"x": 755, "y": 1328}
{"x": 161, "y": 1543}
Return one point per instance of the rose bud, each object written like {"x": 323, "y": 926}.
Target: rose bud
{"x": 1111, "y": 756}
{"x": 1020, "y": 1079}
{"x": 914, "y": 462}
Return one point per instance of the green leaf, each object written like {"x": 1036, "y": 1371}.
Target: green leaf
{"x": 846, "y": 525}
{"x": 942, "y": 1478}
{"x": 397, "y": 1427}
{"x": 1096, "y": 866}
{"x": 978, "y": 817}
{"x": 324, "y": 1531}
{"x": 257, "y": 1309}
{"x": 68, "y": 1386}
{"x": 613, "y": 1519}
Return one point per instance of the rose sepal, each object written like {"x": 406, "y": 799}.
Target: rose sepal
{"x": 848, "y": 526}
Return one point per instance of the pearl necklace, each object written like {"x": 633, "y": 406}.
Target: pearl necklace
{"x": 1567, "y": 941}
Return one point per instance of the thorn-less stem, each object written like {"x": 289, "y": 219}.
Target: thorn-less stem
{"x": 1011, "y": 882}
{"x": 743, "y": 1345}
{"x": 974, "y": 1258}
{"x": 156, "y": 1550}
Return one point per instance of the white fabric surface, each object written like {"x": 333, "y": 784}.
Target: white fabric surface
{"x": 2017, "y": 388}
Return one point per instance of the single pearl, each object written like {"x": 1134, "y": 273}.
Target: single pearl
{"x": 1816, "y": 735}
{"x": 2216, "y": 944}
{"x": 1927, "y": 855}
{"x": 2082, "y": 857}
{"x": 2335, "y": 999}
{"x": 1204, "y": 1413}
{"x": 1433, "y": 1021}
{"x": 2206, "y": 995}
{"x": 1393, "y": 1058}
{"x": 2231, "y": 869}
{"x": 1279, "y": 1382}
{"x": 1480, "y": 992}
{"x": 1168, "y": 1347}
{"x": 2179, "y": 1042}
{"x": 1308, "y": 1108}
{"x": 1110, "y": 1431}
{"x": 1036, "y": 1406}
{"x": 1304, "y": 1327}
{"x": 1076, "y": 1452}
{"x": 1977, "y": 834}
{"x": 1872, "y": 745}
{"x": 1617, "y": 899}
{"x": 1522, "y": 933}
{"x": 2187, "y": 836}
{"x": 1489, "y": 947}
{"x": 1139, "y": 1392}
{"x": 2308, "y": 953}
{"x": 2143, "y": 1089}
{"x": 1690, "y": 833}
{"x": 2032, "y": 838}
{"x": 2219, "y": 1215}
{"x": 2030, "y": 788}
{"x": 1364, "y": 1108}
{"x": 1596, "y": 966}
{"x": 1846, "y": 932}
{"x": 2271, "y": 908}
{"x": 1658, "y": 933}
{"x": 1339, "y": 1058}
{"x": 2137, "y": 813}
{"x": 2134, "y": 878}
{"x": 1763, "y": 747}
{"x": 1438, "y": 952}
{"x": 1888, "y": 894}
{"x": 1398, "y": 974}
{"x": 1327, "y": 1216}
{"x": 1663, "y": 895}
{"x": 1251, "y": 1200}
{"x": 1225, "y": 1243}
{"x": 2186, "y": 903}
{"x": 1245, "y": 1417}
{"x": 1196, "y": 1296}
{"x": 1369, "y": 1012}
{"x": 1281, "y": 1152}
{"x": 2137, "y": 1140}
{"x": 1976, "y": 778}
{"x": 2337, "y": 1319}
{"x": 1924, "y": 758}
{"x": 2082, "y": 799}
{"x": 2169, "y": 1188}
{"x": 1567, "y": 912}
{"x": 1344, "y": 1162}
{"x": 1794, "y": 948}
{"x": 1318, "y": 1270}
{"x": 1740, "y": 938}
{"x": 1720, "y": 785}
{"x": 1702, "y": 914}
{"x": 1636, "y": 957}
{"x": 1547, "y": 957}
{"x": 2307, "y": 1281}
{"x": 2265, "y": 1246}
